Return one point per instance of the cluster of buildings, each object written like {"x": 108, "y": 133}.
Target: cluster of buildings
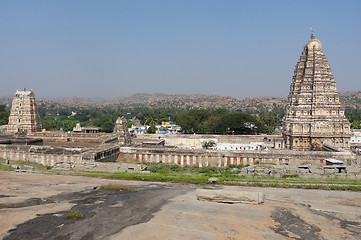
{"x": 314, "y": 128}
{"x": 164, "y": 128}
{"x": 356, "y": 141}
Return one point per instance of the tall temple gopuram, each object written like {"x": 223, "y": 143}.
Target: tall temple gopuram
{"x": 24, "y": 115}
{"x": 314, "y": 115}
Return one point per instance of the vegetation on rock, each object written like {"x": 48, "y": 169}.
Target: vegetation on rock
{"x": 74, "y": 215}
{"x": 117, "y": 187}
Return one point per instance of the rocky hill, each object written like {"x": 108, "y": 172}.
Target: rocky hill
{"x": 179, "y": 101}
{"x": 351, "y": 99}
{"x": 186, "y": 101}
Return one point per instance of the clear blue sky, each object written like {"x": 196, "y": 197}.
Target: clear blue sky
{"x": 116, "y": 48}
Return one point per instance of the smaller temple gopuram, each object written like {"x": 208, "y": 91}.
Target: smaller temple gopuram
{"x": 24, "y": 115}
{"x": 122, "y": 131}
{"x": 314, "y": 116}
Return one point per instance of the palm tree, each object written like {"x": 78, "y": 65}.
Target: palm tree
{"x": 150, "y": 120}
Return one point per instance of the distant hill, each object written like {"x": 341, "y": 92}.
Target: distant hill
{"x": 6, "y": 100}
{"x": 186, "y": 101}
{"x": 179, "y": 101}
{"x": 351, "y": 99}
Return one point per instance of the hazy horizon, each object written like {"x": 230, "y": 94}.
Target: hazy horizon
{"x": 113, "y": 49}
{"x": 130, "y": 95}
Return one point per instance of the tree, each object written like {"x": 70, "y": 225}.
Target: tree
{"x": 219, "y": 121}
{"x": 151, "y": 129}
{"x": 238, "y": 123}
{"x": 4, "y": 115}
{"x": 107, "y": 126}
{"x": 150, "y": 120}
{"x": 190, "y": 120}
{"x": 208, "y": 144}
{"x": 56, "y": 125}
{"x": 354, "y": 116}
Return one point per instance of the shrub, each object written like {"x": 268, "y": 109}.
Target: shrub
{"x": 175, "y": 168}
{"x": 117, "y": 187}
{"x": 209, "y": 144}
{"x": 74, "y": 215}
{"x": 158, "y": 169}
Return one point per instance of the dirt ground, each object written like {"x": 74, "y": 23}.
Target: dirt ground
{"x": 35, "y": 206}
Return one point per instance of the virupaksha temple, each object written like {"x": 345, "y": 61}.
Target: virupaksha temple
{"x": 314, "y": 117}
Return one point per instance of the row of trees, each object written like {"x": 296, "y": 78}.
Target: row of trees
{"x": 216, "y": 121}
{"x": 208, "y": 121}
{"x": 354, "y": 116}
{"x": 57, "y": 117}
{"x": 222, "y": 121}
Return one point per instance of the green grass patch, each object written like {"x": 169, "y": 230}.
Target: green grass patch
{"x": 154, "y": 177}
{"x": 231, "y": 170}
{"x": 4, "y": 167}
{"x": 74, "y": 215}
{"x": 117, "y": 187}
{"x": 336, "y": 187}
{"x": 195, "y": 175}
{"x": 198, "y": 177}
{"x": 24, "y": 164}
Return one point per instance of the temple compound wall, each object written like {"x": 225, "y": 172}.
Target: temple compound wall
{"x": 195, "y": 141}
{"x": 59, "y": 156}
{"x": 40, "y": 154}
{"x": 81, "y": 157}
{"x": 202, "y": 158}
{"x": 75, "y": 137}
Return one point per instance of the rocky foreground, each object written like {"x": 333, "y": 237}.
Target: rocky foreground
{"x": 36, "y": 206}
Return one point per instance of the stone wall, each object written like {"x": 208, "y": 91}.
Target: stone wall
{"x": 40, "y": 154}
{"x": 201, "y": 158}
{"x": 87, "y": 158}
{"x": 195, "y": 141}
{"x": 75, "y": 137}
{"x": 60, "y": 157}
{"x": 304, "y": 171}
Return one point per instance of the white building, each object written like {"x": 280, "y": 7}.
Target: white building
{"x": 138, "y": 129}
{"x": 168, "y": 128}
{"x": 356, "y": 136}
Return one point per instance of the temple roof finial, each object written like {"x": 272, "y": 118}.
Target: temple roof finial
{"x": 312, "y": 36}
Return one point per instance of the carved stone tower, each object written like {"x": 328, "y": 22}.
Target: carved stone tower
{"x": 24, "y": 116}
{"x": 122, "y": 131}
{"x": 314, "y": 115}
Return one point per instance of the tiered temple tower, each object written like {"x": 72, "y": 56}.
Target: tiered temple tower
{"x": 314, "y": 115}
{"x": 122, "y": 131}
{"x": 24, "y": 116}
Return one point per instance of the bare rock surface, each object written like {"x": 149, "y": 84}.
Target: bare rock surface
{"x": 34, "y": 206}
{"x": 223, "y": 196}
